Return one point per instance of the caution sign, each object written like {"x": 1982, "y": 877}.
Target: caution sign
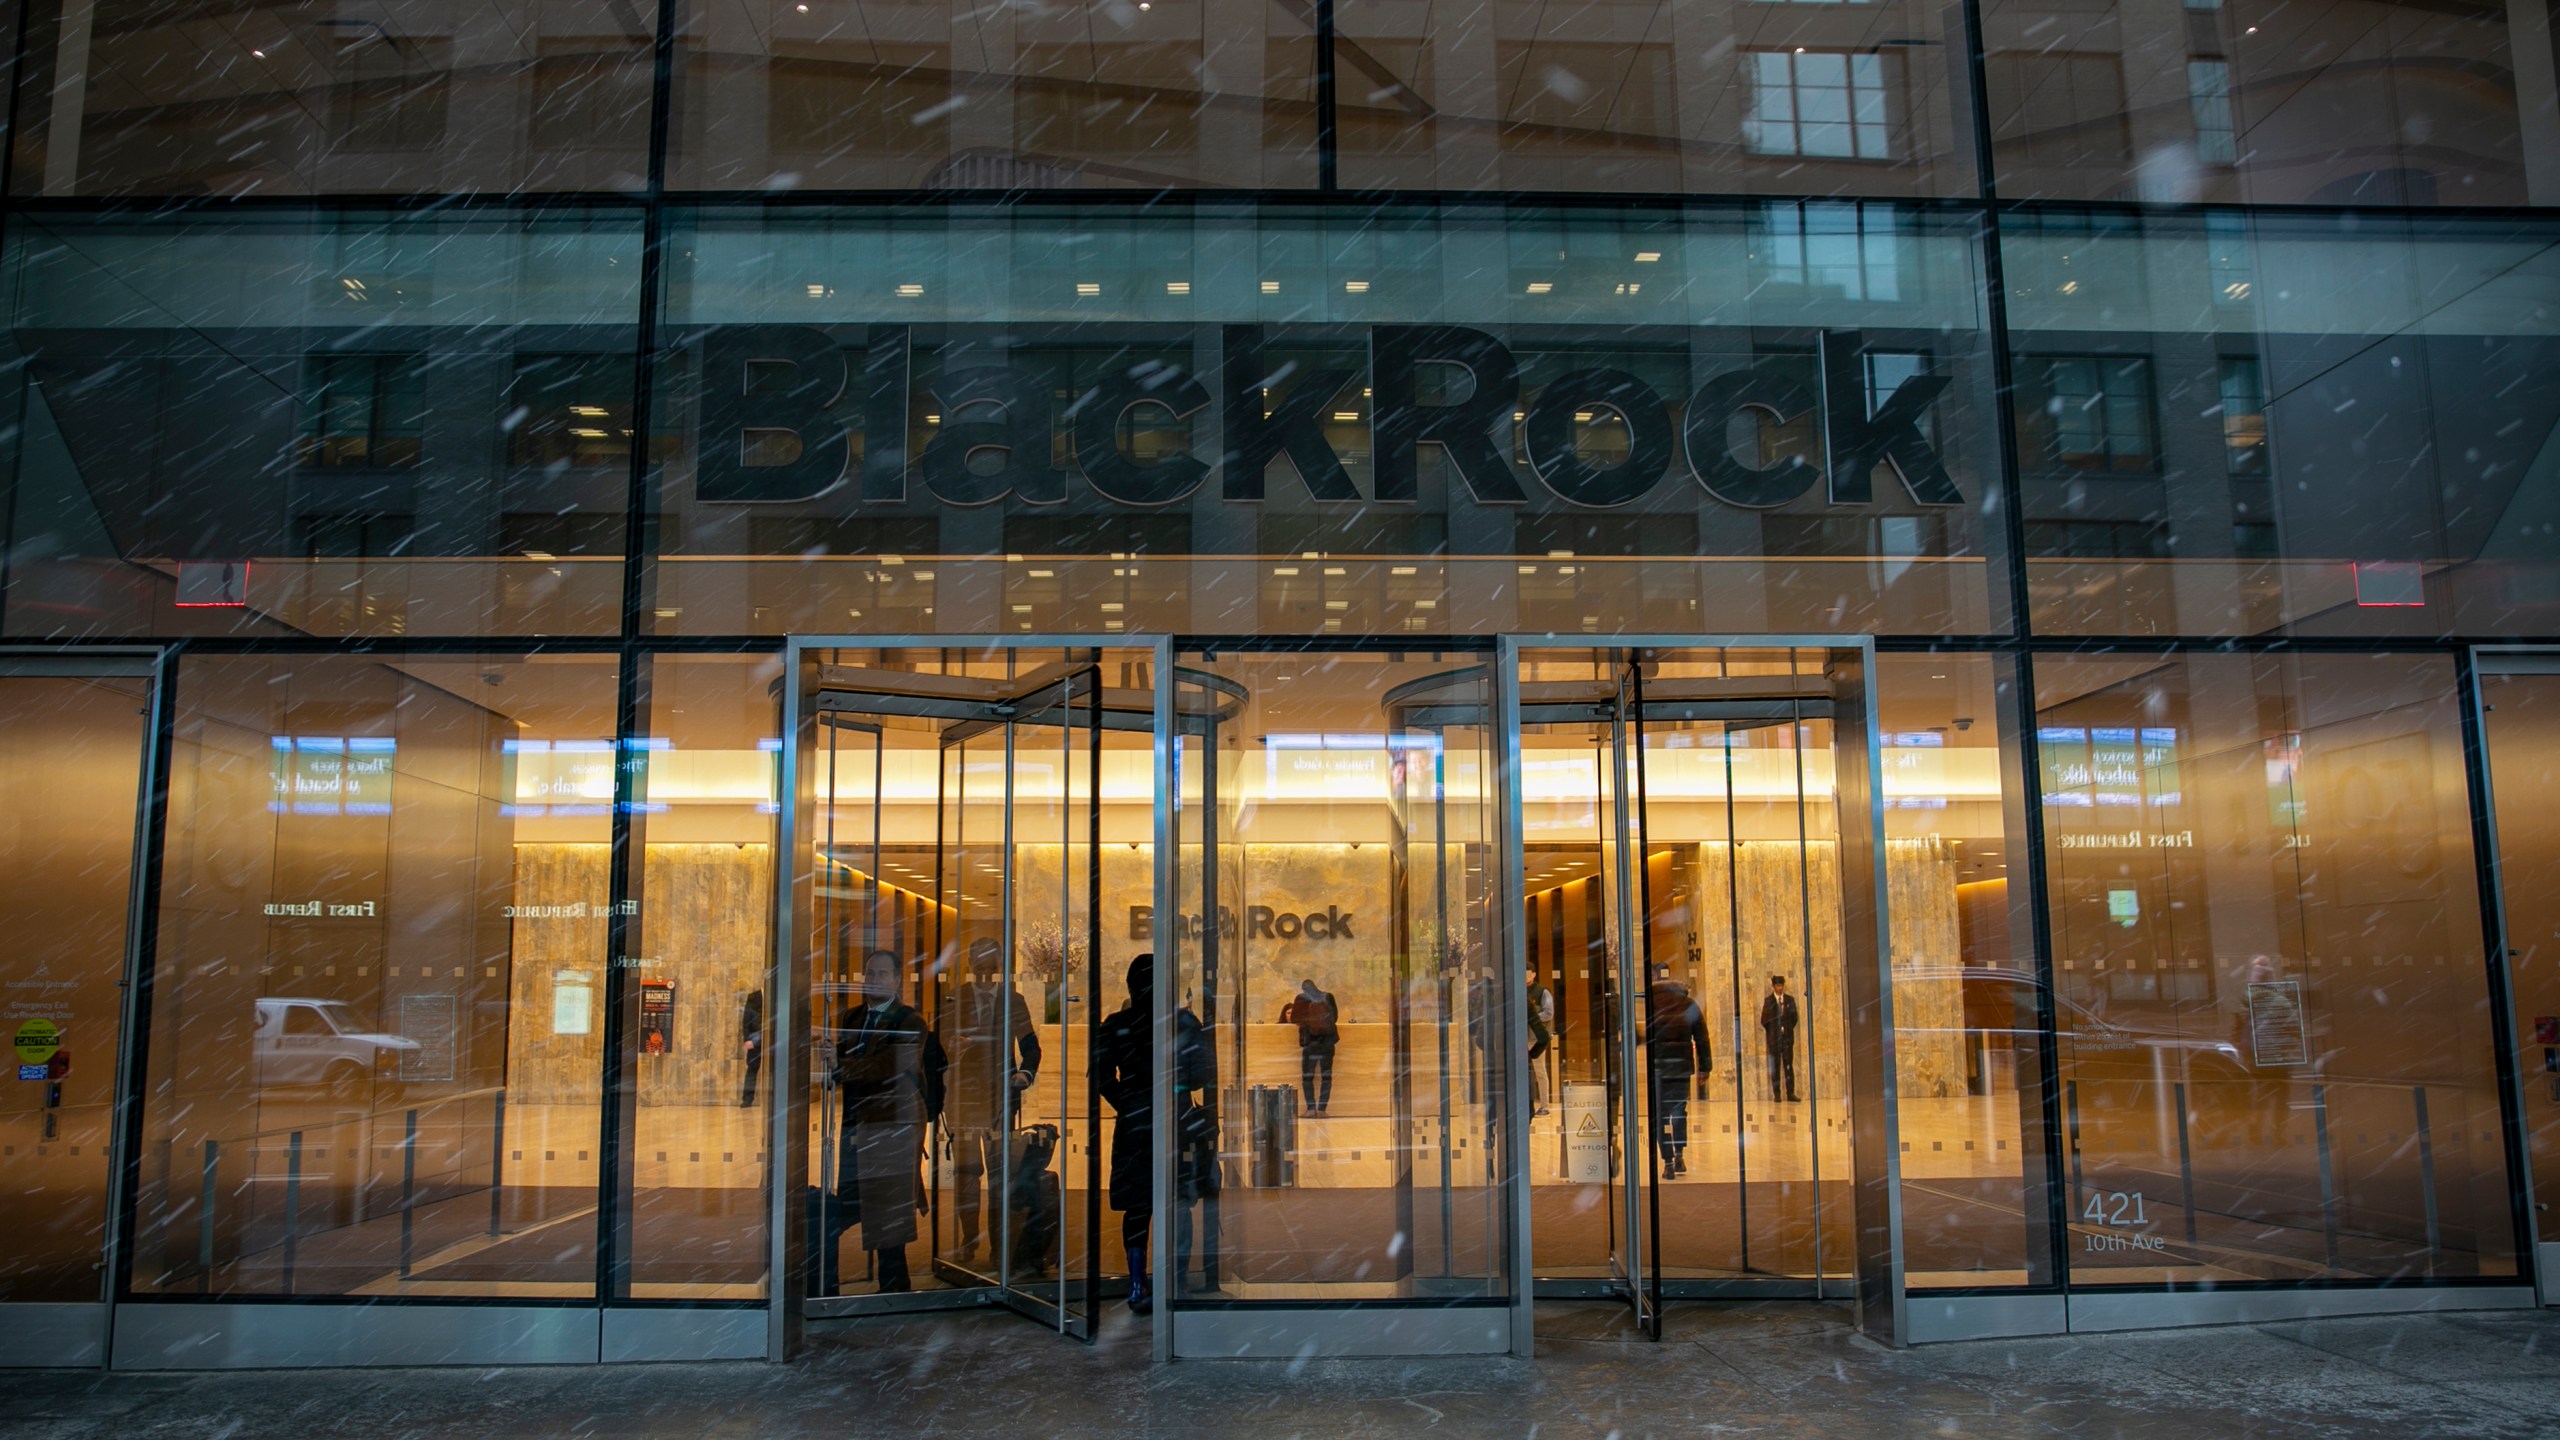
{"x": 1586, "y": 1133}
{"x": 36, "y": 1041}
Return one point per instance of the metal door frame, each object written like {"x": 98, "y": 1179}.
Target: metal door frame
{"x": 1875, "y": 1190}
{"x": 789, "y": 1307}
{"x": 82, "y": 1332}
{"x": 2541, "y": 1260}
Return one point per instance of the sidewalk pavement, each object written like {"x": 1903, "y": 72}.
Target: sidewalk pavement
{"x": 1774, "y": 1370}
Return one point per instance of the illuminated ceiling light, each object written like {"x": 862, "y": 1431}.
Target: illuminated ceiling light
{"x": 1356, "y": 287}
{"x": 1270, "y": 287}
{"x": 1647, "y": 257}
{"x": 1346, "y": 416}
{"x": 1400, "y": 570}
{"x": 587, "y": 410}
{"x": 817, "y": 292}
{"x": 1284, "y": 569}
{"x": 911, "y": 291}
{"x": 1540, "y": 287}
{"x": 1088, "y": 287}
{"x": 1177, "y": 287}
{"x": 261, "y": 54}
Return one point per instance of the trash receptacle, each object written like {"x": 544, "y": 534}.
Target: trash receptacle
{"x": 1275, "y": 1137}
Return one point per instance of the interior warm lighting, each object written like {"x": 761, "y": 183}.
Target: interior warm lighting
{"x": 1177, "y": 287}
{"x": 1647, "y": 257}
{"x": 1088, "y": 287}
{"x": 1540, "y": 287}
{"x": 1356, "y": 287}
{"x": 911, "y": 291}
{"x": 1270, "y": 287}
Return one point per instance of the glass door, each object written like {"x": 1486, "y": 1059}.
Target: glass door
{"x": 1591, "y": 1211}
{"x": 2520, "y": 723}
{"x": 955, "y": 940}
{"x": 1682, "y": 914}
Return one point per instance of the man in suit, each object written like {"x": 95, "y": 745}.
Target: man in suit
{"x": 1778, "y": 1018}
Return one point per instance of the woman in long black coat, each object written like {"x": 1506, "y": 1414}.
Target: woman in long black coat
{"x": 1127, "y": 1079}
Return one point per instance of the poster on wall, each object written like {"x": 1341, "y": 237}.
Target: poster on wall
{"x": 2275, "y": 1023}
{"x": 657, "y": 1017}
{"x": 428, "y": 1020}
{"x": 573, "y": 1004}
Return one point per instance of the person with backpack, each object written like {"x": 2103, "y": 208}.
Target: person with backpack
{"x": 1676, "y": 1051}
{"x": 1318, "y": 1019}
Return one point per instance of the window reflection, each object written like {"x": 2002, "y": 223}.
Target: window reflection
{"x": 2276, "y": 1058}
{"x": 374, "y": 1043}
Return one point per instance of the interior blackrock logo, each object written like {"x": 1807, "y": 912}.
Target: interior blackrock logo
{"x": 772, "y": 390}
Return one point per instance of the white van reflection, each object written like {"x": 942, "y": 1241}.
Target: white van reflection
{"x": 324, "y": 1044}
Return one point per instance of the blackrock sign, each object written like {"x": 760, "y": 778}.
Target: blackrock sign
{"x": 779, "y": 390}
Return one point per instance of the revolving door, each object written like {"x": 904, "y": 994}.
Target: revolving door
{"x": 952, "y": 816}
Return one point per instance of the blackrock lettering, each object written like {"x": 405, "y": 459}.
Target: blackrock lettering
{"x": 772, "y": 433}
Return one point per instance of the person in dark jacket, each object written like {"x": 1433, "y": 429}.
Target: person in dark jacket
{"x": 1126, "y": 1078}
{"x": 1318, "y": 1017}
{"x": 1778, "y": 1018}
{"x": 890, "y": 1066}
{"x": 1676, "y": 1052}
{"x": 751, "y": 1040}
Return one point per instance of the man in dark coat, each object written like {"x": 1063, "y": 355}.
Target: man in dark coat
{"x": 1676, "y": 1051}
{"x": 1126, "y": 1078}
{"x": 890, "y": 1066}
{"x": 1778, "y": 1018}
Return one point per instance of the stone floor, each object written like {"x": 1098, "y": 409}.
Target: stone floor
{"x": 1760, "y": 1370}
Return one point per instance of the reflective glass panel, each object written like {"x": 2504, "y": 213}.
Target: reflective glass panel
{"x": 696, "y": 1041}
{"x": 377, "y": 1006}
{"x": 126, "y": 97}
{"x": 1212, "y": 420}
{"x": 2277, "y": 1054}
{"x": 1967, "y": 997}
{"x": 2263, "y": 103}
{"x": 915, "y": 95}
{"x": 2275, "y": 423}
{"x": 1344, "y": 1072}
{"x": 1755, "y": 97}
{"x": 71, "y": 749}
{"x": 360, "y": 425}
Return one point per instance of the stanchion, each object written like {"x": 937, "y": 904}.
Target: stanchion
{"x": 408, "y": 1193}
{"x": 2186, "y": 1164}
{"x": 292, "y": 1202}
{"x": 2328, "y": 1181}
{"x": 2427, "y": 1176}
{"x": 204, "y": 1218}
{"x": 497, "y": 1156}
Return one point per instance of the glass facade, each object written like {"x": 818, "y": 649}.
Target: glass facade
{"x": 673, "y": 670}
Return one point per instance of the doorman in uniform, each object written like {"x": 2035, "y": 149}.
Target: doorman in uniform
{"x": 1318, "y": 1017}
{"x": 1778, "y": 1017}
{"x": 1676, "y": 1052}
{"x": 995, "y": 1055}
{"x": 891, "y": 1069}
